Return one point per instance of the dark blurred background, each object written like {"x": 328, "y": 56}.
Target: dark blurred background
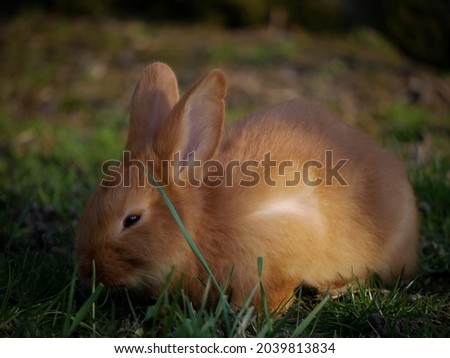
{"x": 420, "y": 28}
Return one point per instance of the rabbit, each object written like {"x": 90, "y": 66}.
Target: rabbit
{"x": 319, "y": 201}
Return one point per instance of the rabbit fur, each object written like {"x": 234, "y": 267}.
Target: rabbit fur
{"x": 323, "y": 232}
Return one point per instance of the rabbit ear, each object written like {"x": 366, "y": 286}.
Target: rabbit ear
{"x": 154, "y": 97}
{"x": 194, "y": 127}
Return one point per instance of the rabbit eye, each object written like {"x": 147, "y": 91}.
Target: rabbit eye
{"x": 131, "y": 220}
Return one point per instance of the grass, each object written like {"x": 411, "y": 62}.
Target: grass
{"x": 64, "y": 100}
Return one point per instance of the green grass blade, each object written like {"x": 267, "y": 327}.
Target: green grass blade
{"x": 305, "y": 323}
{"x": 268, "y": 319}
{"x": 188, "y": 237}
{"x": 69, "y": 310}
{"x": 7, "y": 295}
{"x": 84, "y": 310}
{"x": 94, "y": 275}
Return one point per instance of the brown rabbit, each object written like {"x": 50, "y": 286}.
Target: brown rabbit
{"x": 320, "y": 202}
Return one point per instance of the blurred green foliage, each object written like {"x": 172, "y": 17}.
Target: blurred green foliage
{"x": 420, "y": 27}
